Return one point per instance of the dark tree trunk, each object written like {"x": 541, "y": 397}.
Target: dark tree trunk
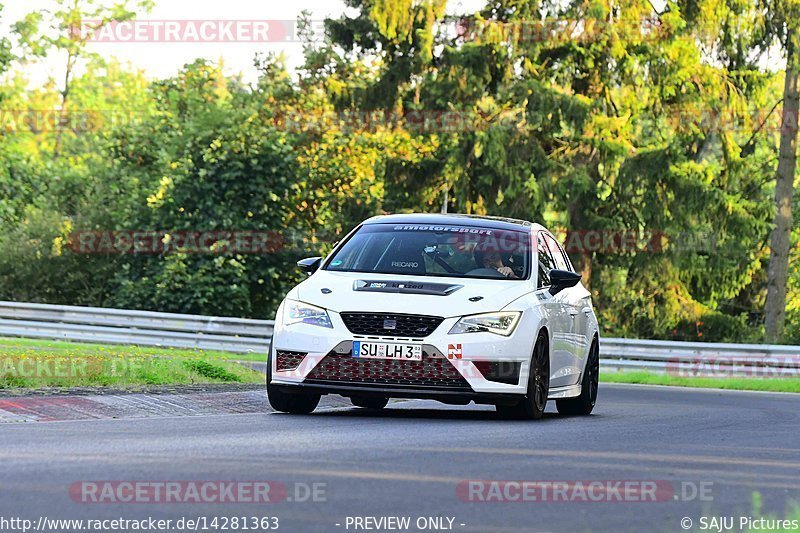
{"x": 583, "y": 263}
{"x": 775, "y": 312}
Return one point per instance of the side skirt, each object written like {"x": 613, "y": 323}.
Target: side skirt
{"x": 569, "y": 391}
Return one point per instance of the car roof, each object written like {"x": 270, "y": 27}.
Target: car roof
{"x": 456, "y": 219}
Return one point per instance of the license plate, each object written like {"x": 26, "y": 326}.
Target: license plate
{"x": 387, "y": 350}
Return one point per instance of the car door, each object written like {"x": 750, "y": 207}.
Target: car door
{"x": 582, "y": 299}
{"x": 577, "y": 304}
{"x": 562, "y": 357}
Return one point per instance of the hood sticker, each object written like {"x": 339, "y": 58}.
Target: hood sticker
{"x": 406, "y": 287}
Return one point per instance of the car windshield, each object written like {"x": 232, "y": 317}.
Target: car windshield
{"x": 435, "y": 250}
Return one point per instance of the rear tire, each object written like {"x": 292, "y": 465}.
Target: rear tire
{"x": 584, "y": 404}
{"x": 298, "y": 404}
{"x": 369, "y": 402}
{"x": 532, "y": 406}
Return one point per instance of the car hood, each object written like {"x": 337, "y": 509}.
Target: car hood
{"x": 429, "y": 295}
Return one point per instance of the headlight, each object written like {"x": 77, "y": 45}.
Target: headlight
{"x": 501, "y": 323}
{"x": 295, "y": 312}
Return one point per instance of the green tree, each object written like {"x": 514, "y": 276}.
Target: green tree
{"x": 68, "y": 28}
{"x": 614, "y": 122}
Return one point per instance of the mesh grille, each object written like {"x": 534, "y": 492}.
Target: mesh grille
{"x": 431, "y": 372}
{"x": 287, "y": 360}
{"x": 395, "y": 325}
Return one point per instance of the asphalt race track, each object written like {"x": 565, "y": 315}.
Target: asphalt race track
{"x": 409, "y": 460}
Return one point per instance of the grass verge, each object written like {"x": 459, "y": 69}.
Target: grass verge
{"x": 649, "y": 378}
{"x": 31, "y": 364}
{"x": 790, "y": 523}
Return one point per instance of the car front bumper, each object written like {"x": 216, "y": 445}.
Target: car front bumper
{"x": 454, "y": 366}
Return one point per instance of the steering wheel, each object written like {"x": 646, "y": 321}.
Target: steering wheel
{"x": 485, "y": 273}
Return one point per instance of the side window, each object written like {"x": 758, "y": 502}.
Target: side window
{"x": 557, "y": 253}
{"x": 546, "y": 263}
{"x": 567, "y": 260}
{"x": 570, "y": 267}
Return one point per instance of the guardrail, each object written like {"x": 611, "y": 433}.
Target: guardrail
{"x": 700, "y": 358}
{"x": 239, "y": 335}
{"x": 144, "y": 328}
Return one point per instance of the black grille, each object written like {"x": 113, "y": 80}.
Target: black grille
{"x": 287, "y": 360}
{"x": 430, "y": 373}
{"x": 392, "y": 325}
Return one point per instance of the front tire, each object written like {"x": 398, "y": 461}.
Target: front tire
{"x": 532, "y": 406}
{"x": 298, "y": 404}
{"x": 369, "y": 402}
{"x": 584, "y": 404}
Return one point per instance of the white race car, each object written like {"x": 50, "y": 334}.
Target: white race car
{"x": 454, "y": 308}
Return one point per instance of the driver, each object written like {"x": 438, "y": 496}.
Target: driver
{"x": 493, "y": 260}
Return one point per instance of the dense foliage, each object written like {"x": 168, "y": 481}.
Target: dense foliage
{"x": 654, "y": 127}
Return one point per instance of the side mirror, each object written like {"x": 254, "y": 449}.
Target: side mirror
{"x": 309, "y": 265}
{"x": 562, "y": 279}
